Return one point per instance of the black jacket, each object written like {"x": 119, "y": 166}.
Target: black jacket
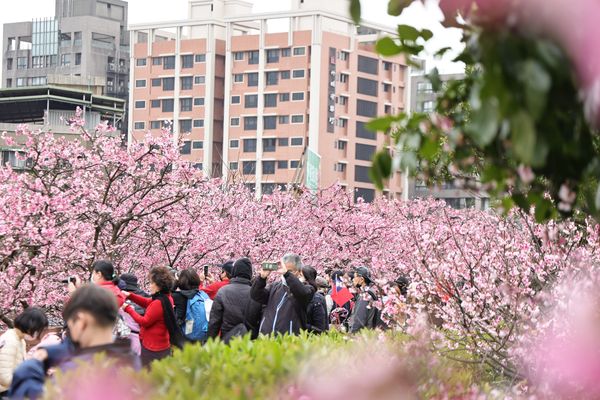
{"x": 180, "y": 300}
{"x": 364, "y": 314}
{"x": 317, "y": 320}
{"x": 232, "y": 306}
{"x": 285, "y": 305}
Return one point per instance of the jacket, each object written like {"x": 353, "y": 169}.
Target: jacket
{"x": 232, "y": 306}
{"x": 12, "y": 353}
{"x": 364, "y": 314}
{"x": 153, "y": 330}
{"x": 316, "y": 313}
{"x": 285, "y": 305}
{"x": 212, "y": 289}
{"x": 110, "y": 286}
{"x": 180, "y": 300}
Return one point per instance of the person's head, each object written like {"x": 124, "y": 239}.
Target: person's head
{"x": 402, "y": 283}
{"x": 103, "y": 271}
{"x": 337, "y": 275}
{"x": 310, "y": 274}
{"x": 322, "y": 284}
{"x": 130, "y": 282}
{"x": 362, "y": 277}
{"x": 226, "y": 270}
{"x": 294, "y": 262}
{"x": 188, "y": 280}
{"x": 161, "y": 280}
{"x": 31, "y": 323}
{"x": 91, "y": 314}
{"x": 242, "y": 268}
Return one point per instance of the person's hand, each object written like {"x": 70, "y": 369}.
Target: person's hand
{"x": 125, "y": 293}
{"x": 264, "y": 273}
{"x": 124, "y": 306}
{"x": 202, "y": 277}
{"x": 40, "y": 355}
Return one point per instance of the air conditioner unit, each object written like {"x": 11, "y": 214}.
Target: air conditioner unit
{"x": 332, "y": 96}
{"x": 332, "y": 72}
{"x": 331, "y": 108}
{"x": 331, "y": 121}
{"x": 332, "y": 84}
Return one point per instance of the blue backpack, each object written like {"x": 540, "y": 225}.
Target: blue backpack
{"x": 195, "y": 327}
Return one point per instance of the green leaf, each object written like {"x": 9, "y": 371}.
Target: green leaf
{"x": 483, "y": 126}
{"x": 436, "y": 81}
{"x": 407, "y": 32}
{"x": 355, "y": 10}
{"x": 387, "y": 47}
{"x": 543, "y": 210}
{"x": 537, "y": 83}
{"x": 597, "y": 199}
{"x": 381, "y": 168}
{"x": 523, "y": 137}
{"x": 426, "y": 34}
{"x": 441, "y": 52}
{"x": 380, "y": 124}
{"x": 395, "y": 7}
{"x": 429, "y": 149}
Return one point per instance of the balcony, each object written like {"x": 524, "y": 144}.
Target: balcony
{"x": 117, "y": 69}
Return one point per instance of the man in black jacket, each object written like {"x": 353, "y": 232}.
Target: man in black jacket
{"x": 364, "y": 314}
{"x": 232, "y": 308}
{"x": 286, "y": 300}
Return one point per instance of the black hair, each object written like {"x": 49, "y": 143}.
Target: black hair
{"x": 163, "y": 278}
{"x": 402, "y": 282}
{"x": 337, "y": 274}
{"x": 95, "y": 300}
{"x": 188, "y": 279}
{"x": 31, "y": 321}
{"x": 310, "y": 274}
{"x": 106, "y": 269}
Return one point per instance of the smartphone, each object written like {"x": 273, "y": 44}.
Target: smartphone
{"x": 270, "y": 266}
{"x": 206, "y": 270}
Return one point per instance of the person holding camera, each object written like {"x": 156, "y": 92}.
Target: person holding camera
{"x": 286, "y": 300}
{"x": 212, "y": 289}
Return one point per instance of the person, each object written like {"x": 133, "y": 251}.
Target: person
{"x": 316, "y": 312}
{"x": 129, "y": 283}
{"x": 401, "y": 285}
{"x": 285, "y": 301}
{"x": 340, "y": 312}
{"x": 212, "y": 289}
{"x": 158, "y": 326}
{"x": 90, "y": 315}
{"x": 103, "y": 275}
{"x": 364, "y": 313}
{"x": 234, "y": 313}
{"x": 193, "y": 320}
{"x": 28, "y": 327}
{"x": 323, "y": 287}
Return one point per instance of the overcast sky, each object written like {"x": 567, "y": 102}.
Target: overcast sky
{"x": 143, "y": 11}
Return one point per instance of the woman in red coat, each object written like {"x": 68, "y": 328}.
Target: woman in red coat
{"x": 158, "y": 328}
{"x": 103, "y": 275}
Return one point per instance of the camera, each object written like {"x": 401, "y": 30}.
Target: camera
{"x": 70, "y": 279}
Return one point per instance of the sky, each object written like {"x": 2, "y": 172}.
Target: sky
{"x": 144, "y": 11}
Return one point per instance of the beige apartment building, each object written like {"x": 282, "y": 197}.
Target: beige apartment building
{"x": 271, "y": 99}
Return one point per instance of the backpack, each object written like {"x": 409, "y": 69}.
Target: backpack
{"x": 195, "y": 327}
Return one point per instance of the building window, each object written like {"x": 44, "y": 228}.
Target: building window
{"x": 248, "y": 167}
{"x": 238, "y": 55}
{"x": 200, "y": 58}
{"x": 187, "y": 82}
{"x": 154, "y": 124}
{"x": 77, "y": 58}
{"x": 286, "y": 52}
{"x": 9, "y": 82}
{"x": 235, "y": 99}
{"x": 297, "y": 141}
{"x": 65, "y": 60}
{"x": 387, "y": 66}
{"x": 168, "y": 84}
{"x": 37, "y": 62}
{"x": 344, "y": 78}
{"x": 12, "y": 43}
{"x": 272, "y": 56}
{"x": 198, "y": 166}
{"x": 364, "y": 152}
{"x": 253, "y": 79}
{"x": 155, "y": 103}
{"x": 386, "y": 87}
{"x": 368, "y": 195}
{"x": 367, "y": 86}
{"x": 285, "y": 74}
{"x": 168, "y": 105}
{"x": 294, "y": 164}
{"x": 238, "y": 78}
{"x": 198, "y": 101}
{"x": 284, "y": 97}
{"x": 185, "y": 125}
{"x": 368, "y": 65}
{"x": 139, "y": 125}
{"x": 251, "y": 101}
{"x": 344, "y": 55}
{"x": 268, "y": 167}
{"x": 272, "y": 78}
{"x": 38, "y": 81}
{"x": 169, "y": 62}
{"x": 298, "y": 74}
{"x": 284, "y": 119}
{"x": 361, "y": 174}
{"x": 366, "y": 108}
{"x": 424, "y": 87}
{"x": 339, "y": 167}
{"x": 21, "y": 82}
{"x": 271, "y": 100}
{"x": 298, "y": 96}
{"x": 340, "y": 144}
{"x": 140, "y": 83}
{"x": 343, "y": 100}
{"x": 156, "y": 82}
{"x": 297, "y": 119}
{"x": 235, "y": 121}
{"x": 342, "y": 122}
{"x": 198, "y": 123}
{"x": 253, "y": 57}
{"x": 156, "y": 60}
{"x": 283, "y": 164}
{"x": 250, "y": 123}
{"x": 299, "y": 51}
{"x": 186, "y": 148}
{"x": 233, "y": 166}
{"x": 140, "y": 62}
{"x": 140, "y": 104}
{"x": 197, "y": 144}
{"x": 185, "y": 104}
{"x": 270, "y": 122}
{"x": 427, "y": 106}
{"x": 249, "y": 145}
{"x": 9, "y": 64}
{"x": 199, "y": 80}
{"x": 234, "y": 143}
{"x": 362, "y": 131}
{"x": 269, "y": 144}
{"x": 283, "y": 142}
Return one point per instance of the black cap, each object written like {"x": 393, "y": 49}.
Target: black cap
{"x": 131, "y": 282}
{"x": 228, "y": 267}
{"x": 364, "y": 273}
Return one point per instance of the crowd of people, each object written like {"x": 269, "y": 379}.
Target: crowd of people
{"x": 113, "y": 315}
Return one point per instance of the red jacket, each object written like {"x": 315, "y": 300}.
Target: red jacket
{"x": 113, "y": 288}
{"x": 153, "y": 331}
{"x": 212, "y": 289}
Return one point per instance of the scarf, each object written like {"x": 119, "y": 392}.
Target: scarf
{"x": 176, "y": 337}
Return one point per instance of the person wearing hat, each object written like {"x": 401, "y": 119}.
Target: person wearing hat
{"x": 364, "y": 314}
{"x": 212, "y": 289}
{"x": 129, "y": 283}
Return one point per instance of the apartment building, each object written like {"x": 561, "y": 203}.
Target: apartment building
{"x": 270, "y": 99}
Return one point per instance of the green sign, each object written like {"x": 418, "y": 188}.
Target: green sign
{"x": 313, "y": 162}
